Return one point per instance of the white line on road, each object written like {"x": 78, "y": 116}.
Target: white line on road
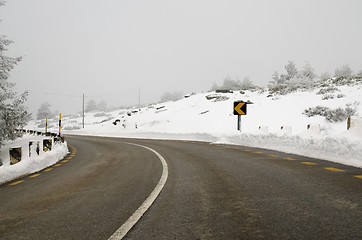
{"x": 132, "y": 220}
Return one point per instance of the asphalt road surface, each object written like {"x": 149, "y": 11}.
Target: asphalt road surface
{"x": 212, "y": 192}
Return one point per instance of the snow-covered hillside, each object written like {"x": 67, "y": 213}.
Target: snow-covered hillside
{"x": 273, "y": 121}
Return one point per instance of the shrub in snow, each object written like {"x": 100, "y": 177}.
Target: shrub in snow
{"x": 290, "y": 87}
{"x": 221, "y": 98}
{"x": 107, "y": 119}
{"x": 349, "y": 81}
{"x": 344, "y": 72}
{"x": 223, "y": 91}
{"x": 341, "y": 96}
{"x": 325, "y": 76}
{"x": 101, "y": 114}
{"x": 331, "y": 115}
{"x": 75, "y": 127}
{"x": 329, "y": 89}
{"x": 293, "y": 81}
{"x": 216, "y": 97}
{"x": 328, "y": 96}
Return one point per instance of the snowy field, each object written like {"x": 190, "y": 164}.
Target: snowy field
{"x": 275, "y": 122}
{"x": 31, "y": 164}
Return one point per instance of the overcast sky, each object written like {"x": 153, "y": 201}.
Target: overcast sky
{"x": 109, "y": 49}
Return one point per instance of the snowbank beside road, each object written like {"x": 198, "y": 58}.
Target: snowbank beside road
{"x": 336, "y": 149}
{"x": 339, "y": 150}
{"x": 28, "y": 165}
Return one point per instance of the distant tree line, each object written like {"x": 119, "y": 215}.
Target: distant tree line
{"x": 234, "y": 84}
{"x": 45, "y": 112}
{"x": 172, "y": 96}
{"x": 306, "y": 78}
{"x": 93, "y": 106}
{"x": 291, "y": 80}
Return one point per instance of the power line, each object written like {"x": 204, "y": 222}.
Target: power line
{"x": 53, "y": 94}
{"x": 80, "y": 95}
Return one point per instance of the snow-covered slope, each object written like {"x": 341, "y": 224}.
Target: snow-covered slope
{"x": 273, "y": 121}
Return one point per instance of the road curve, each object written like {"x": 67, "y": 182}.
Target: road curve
{"x": 212, "y": 192}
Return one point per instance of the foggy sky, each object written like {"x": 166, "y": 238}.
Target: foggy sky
{"x": 109, "y": 49}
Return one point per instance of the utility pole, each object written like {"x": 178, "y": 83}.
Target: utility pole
{"x": 83, "y": 110}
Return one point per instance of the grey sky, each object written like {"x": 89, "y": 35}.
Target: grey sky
{"x": 110, "y": 48}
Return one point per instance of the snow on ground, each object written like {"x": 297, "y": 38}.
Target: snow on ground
{"x": 28, "y": 164}
{"x": 209, "y": 117}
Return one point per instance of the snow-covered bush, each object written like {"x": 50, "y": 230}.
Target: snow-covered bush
{"x": 102, "y": 114}
{"x": 325, "y": 76}
{"x": 74, "y": 127}
{"x": 328, "y": 96}
{"x": 217, "y": 97}
{"x": 329, "y": 89}
{"x": 293, "y": 81}
{"x": 331, "y": 115}
{"x": 344, "y": 72}
{"x": 341, "y": 95}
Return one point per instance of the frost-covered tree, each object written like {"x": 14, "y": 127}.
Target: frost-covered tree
{"x": 343, "y": 72}
{"x": 12, "y": 111}
{"x": 246, "y": 84}
{"x": 325, "y": 76}
{"x": 231, "y": 84}
{"x": 214, "y": 87}
{"x": 291, "y": 69}
{"x": 102, "y": 106}
{"x": 171, "y": 96}
{"x": 275, "y": 78}
{"x": 359, "y": 73}
{"x": 293, "y": 80}
{"x": 44, "y": 111}
{"x": 91, "y": 106}
{"x": 307, "y": 72}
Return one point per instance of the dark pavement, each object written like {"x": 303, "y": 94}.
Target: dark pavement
{"x": 212, "y": 192}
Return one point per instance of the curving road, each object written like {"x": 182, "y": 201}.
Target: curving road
{"x": 212, "y": 192}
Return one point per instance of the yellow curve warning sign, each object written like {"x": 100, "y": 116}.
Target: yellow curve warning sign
{"x": 240, "y": 108}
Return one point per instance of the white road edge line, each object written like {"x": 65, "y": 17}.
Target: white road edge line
{"x": 132, "y": 220}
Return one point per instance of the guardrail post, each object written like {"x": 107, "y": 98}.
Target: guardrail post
{"x": 15, "y": 155}
{"x": 47, "y": 145}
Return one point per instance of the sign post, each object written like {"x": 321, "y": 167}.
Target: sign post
{"x": 239, "y": 109}
{"x": 60, "y": 123}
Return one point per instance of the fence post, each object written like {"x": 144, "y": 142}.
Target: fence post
{"x": 15, "y": 155}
